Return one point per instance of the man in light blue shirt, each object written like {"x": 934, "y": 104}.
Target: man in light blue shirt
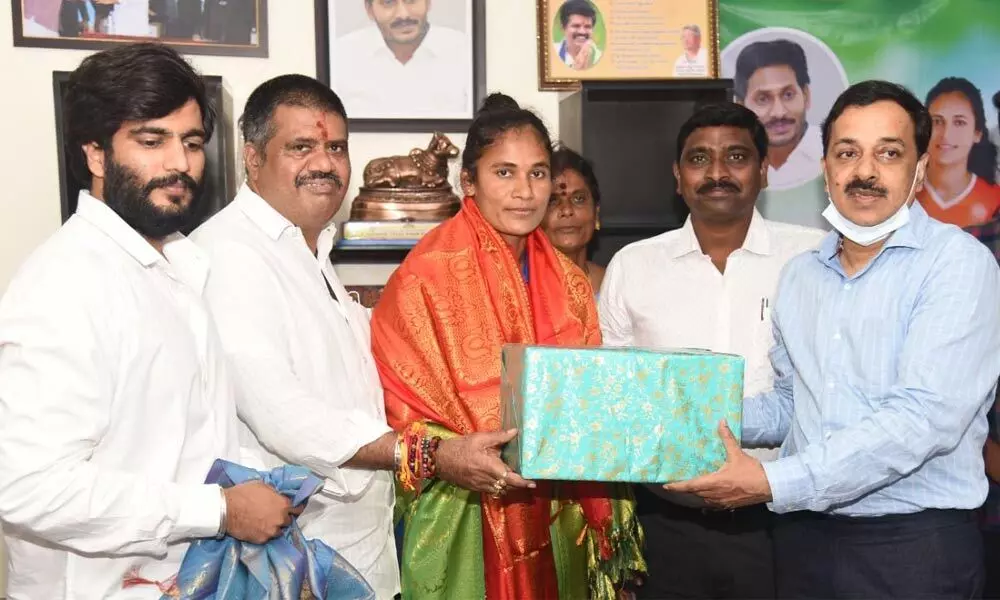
{"x": 886, "y": 358}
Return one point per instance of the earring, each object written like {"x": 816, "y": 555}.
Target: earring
{"x": 597, "y": 225}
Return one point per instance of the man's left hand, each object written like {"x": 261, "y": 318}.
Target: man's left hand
{"x": 740, "y": 482}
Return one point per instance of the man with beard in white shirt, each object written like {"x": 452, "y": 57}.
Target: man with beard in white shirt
{"x": 309, "y": 389}
{"x": 114, "y": 394}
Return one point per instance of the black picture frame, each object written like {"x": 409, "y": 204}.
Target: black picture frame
{"x": 409, "y": 125}
{"x": 102, "y": 41}
{"x": 220, "y": 183}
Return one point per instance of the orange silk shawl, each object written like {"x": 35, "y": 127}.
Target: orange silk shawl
{"x": 437, "y": 334}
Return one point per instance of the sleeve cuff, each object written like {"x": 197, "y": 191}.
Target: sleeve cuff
{"x": 200, "y": 511}
{"x": 752, "y": 421}
{"x": 344, "y": 482}
{"x": 791, "y": 486}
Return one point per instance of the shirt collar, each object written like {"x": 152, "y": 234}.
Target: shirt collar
{"x": 273, "y": 223}
{"x": 101, "y": 216}
{"x": 757, "y": 241}
{"x": 262, "y": 214}
{"x": 912, "y": 235}
{"x": 180, "y": 258}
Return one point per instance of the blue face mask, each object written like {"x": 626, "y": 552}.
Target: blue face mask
{"x": 868, "y": 235}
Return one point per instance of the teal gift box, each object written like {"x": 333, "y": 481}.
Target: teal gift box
{"x": 618, "y": 414}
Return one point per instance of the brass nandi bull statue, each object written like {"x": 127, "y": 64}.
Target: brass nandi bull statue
{"x": 420, "y": 168}
{"x": 411, "y": 187}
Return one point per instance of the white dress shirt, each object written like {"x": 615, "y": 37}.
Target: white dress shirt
{"x": 308, "y": 386}
{"x": 131, "y": 17}
{"x": 802, "y": 165}
{"x": 692, "y": 67}
{"x": 114, "y": 402}
{"x": 435, "y": 83}
{"x": 664, "y": 292}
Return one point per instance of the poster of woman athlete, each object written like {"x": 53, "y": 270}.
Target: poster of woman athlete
{"x": 789, "y": 59}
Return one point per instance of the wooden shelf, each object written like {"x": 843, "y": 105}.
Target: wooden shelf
{"x": 388, "y": 253}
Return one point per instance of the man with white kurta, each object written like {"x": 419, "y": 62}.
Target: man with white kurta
{"x": 114, "y": 393}
{"x": 309, "y": 390}
{"x": 715, "y": 282}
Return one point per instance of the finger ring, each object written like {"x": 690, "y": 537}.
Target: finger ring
{"x": 499, "y": 488}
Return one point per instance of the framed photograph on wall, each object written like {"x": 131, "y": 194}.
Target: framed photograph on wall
{"x": 588, "y": 40}
{"x": 413, "y": 65}
{"x": 219, "y": 185}
{"x": 219, "y": 27}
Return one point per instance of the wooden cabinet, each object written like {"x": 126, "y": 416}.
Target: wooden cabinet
{"x": 629, "y": 131}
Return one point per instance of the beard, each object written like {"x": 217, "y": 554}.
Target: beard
{"x": 132, "y": 201}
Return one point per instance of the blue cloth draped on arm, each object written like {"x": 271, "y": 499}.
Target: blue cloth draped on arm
{"x": 283, "y": 568}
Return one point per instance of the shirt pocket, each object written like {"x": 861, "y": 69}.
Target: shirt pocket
{"x": 759, "y": 374}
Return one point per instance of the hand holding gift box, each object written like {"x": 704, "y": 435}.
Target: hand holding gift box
{"x": 741, "y": 481}
{"x": 618, "y": 414}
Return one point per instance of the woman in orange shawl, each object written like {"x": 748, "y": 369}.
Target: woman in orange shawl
{"x": 486, "y": 277}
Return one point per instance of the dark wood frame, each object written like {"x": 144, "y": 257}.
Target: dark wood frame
{"x": 223, "y": 182}
{"x": 548, "y": 83}
{"x": 410, "y": 125}
{"x": 192, "y": 47}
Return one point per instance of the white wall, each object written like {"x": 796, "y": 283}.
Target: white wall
{"x": 29, "y": 207}
{"x": 30, "y": 212}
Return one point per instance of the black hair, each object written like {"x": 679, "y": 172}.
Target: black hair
{"x": 866, "y": 93}
{"x": 769, "y": 54}
{"x": 498, "y": 114}
{"x": 724, "y": 114}
{"x": 576, "y": 7}
{"x": 983, "y": 155}
{"x": 996, "y": 101}
{"x": 257, "y": 121}
{"x": 135, "y": 82}
{"x": 566, "y": 159}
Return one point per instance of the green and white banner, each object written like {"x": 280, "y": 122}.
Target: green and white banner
{"x": 791, "y": 58}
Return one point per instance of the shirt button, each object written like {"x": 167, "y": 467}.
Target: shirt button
{"x": 829, "y": 384}
{"x": 847, "y": 286}
{"x": 836, "y": 336}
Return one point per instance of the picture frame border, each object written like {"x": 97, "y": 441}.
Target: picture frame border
{"x": 547, "y": 83}
{"x": 409, "y": 124}
{"x": 192, "y": 48}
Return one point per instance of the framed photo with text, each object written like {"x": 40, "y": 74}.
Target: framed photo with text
{"x": 217, "y": 27}
{"x": 404, "y": 65}
{"x": 582, "y": 40}
{"x": 218, "y": 183}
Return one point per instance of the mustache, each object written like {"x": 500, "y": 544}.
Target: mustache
{"x": 721, "y": 184}
{"x": 780, "y": 121}
{"x": 319, "y": 176}
{"x": 162, "y": 182}
{"x": 398, "y": 23}
{"x": 867, "y": 186}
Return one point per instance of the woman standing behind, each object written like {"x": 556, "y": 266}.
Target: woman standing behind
{"x": 961, "y": 174}
{"x": 574, "y": 211}
{"x": 486, "y": 277}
